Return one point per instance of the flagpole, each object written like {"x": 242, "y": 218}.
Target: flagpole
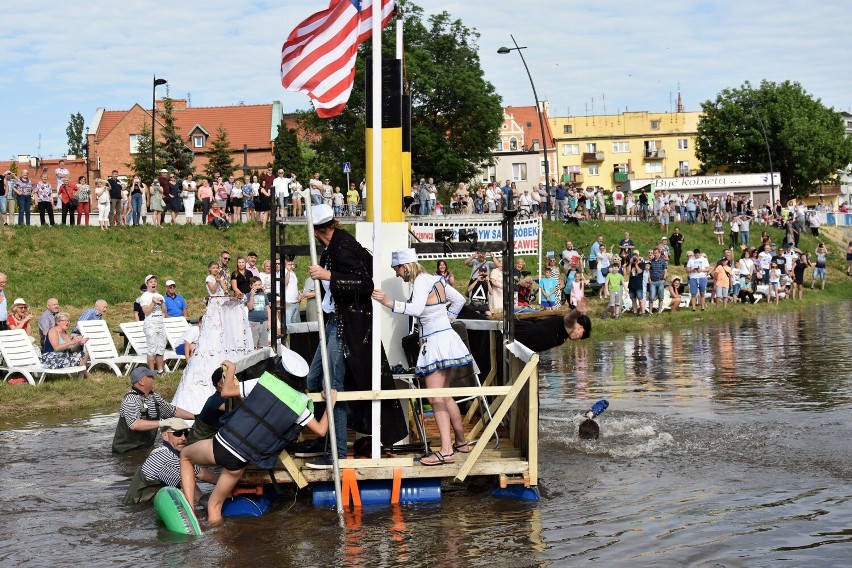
{"x": 326, "y": 374}
{"x": 375, "y": 195}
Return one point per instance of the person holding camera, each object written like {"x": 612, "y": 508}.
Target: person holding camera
{"x": 479, "y": 291}
{"x": 138, "y": 191}
{"x": 636, "y": 285}
{"x": 216, "y": 282}
{"x": 476, "y": 260}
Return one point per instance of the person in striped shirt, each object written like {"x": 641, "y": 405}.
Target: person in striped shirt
{"x": 162, "y": 468}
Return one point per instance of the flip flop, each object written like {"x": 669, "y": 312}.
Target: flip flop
{"x": 462, "y": 448}
{"x": 440, "y": 458}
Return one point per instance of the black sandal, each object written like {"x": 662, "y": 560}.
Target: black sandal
{"x": 442, "y": 459}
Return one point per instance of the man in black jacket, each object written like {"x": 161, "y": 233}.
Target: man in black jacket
{"x": 345, "y": 273}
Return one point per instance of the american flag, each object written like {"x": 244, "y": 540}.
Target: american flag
{"x": 318, "y": 57}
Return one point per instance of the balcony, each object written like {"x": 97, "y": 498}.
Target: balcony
{"x": 592, "y": 157}
{"x": 655, "y": 154}
{"x": 621, "y": 177}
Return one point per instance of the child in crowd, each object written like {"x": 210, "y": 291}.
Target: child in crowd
{"x": 613, "y": 289}
{"x": 578, "y": 288}
{"x": 549, "y": 288}
{"x": 774, "y": 282}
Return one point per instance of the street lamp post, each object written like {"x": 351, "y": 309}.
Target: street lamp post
{"x": 157, "y": 82}
{"x": 503, "y": 51}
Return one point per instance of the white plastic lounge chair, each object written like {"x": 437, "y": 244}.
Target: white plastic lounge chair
{"x": 20, "y": 357}
{"x": 134, "y": 331}
{"x": 102, "y": 351}
{"x": 175, "y": 330}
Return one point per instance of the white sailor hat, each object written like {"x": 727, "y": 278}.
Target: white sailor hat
{"x": 403, "y": 256}
{"x": 322, "y": 214}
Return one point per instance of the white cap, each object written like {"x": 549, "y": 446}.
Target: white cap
{"x": 403, "y": 256}
{"x": 164, "y": 171}
{"x": 148, "y": 278}
{"x": 322, "y": 213}
{"x": 174, "y": 423}
{"x": 170, "y": 283}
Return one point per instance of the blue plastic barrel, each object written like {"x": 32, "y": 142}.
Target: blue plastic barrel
{"x": 518, "y": 492}
{"x": 378, "y": 492}
{"x": 247, "y": 505}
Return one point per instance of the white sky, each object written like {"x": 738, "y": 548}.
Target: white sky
{"x": 62, "y": 57}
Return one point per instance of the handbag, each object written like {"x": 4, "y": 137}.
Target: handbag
{"x": 73, "y": 203}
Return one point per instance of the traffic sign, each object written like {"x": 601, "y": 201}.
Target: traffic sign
{"x": 347, "y": 167}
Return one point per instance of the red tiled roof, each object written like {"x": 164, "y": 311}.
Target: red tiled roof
{"x": 246, "y": 124}
{"x": 76, "y": 168}
{"x": 528, "y": 114}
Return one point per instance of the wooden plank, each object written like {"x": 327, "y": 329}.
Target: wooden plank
{"x": 498, "y": 416}
{"x": 292, "y": 469}
{"x": 480, "y": 468}
{"x": 532, "y": 430}
{"x": 416, "y": 393}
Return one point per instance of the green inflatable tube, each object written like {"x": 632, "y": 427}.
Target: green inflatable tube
{"x": 172, "y": 508}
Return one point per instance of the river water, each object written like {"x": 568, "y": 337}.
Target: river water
{"x": 724, "y": 445}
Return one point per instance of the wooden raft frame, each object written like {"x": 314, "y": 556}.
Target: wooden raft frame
{"x": 515, "y": 403}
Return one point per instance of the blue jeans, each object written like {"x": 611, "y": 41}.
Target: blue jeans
{"x": 136, "y": 204}
{"x": 691, "y": 216}
{"x": 25, "y": 203}
{"x": 337, "y": 369}
{"x": 293, "y": 315}
{"x": 657, "y": 290}
{"x": 744, "y": 237}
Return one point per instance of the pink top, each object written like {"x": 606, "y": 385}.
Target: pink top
{"x": 205, "y": 192}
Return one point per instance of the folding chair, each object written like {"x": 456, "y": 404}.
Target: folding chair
{"x": 102, "y": 351}
{"x": 20, "y": 357}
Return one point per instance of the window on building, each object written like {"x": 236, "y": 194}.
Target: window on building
{"x": 567, "y": 129}
{"x": 519, "y": 172}
{"x": 683, "y": 143}
{"x": 541, "y": 168}
{"x": 591, "y": 147}
{"x": 134, "y": 143}
{"x": 492, "y": 173}
{"x": 594, "y": 170}
{"x": 570, "y": 149}
{"x": 655, "y": 125}
{"x": 654, "y": 167}
{"x": 499, "y": 147}
{"x": 198, "y": 141}
{"x": 513, "y": 144}
{"x": 574, "y": 169}
{"x": 621, "y": 147}
{"x": 620, "y": 168}
{"x": 683, "y": 168}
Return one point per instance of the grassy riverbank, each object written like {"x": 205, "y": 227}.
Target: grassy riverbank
{"x": 78, "y": 266}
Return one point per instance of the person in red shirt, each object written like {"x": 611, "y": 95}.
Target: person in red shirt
{"x": 68, "y": 197}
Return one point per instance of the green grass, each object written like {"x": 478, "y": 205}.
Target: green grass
{"x": 79, "y": 265}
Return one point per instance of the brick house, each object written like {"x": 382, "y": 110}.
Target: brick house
{"x": 520, "y": 153}
{"x": 251, "y": 128}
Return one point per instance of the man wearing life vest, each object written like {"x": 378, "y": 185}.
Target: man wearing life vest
{"x": 142, "y": 412}
{"x": 257, "y": 431}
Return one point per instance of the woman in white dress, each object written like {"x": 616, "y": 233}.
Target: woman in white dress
{"x": 216, "y": 283}
{"x": 440, "y": 347}
{"x": 604, "y": 260}
{"x": 189, "y": 189}
{"x": 153, "y": 306}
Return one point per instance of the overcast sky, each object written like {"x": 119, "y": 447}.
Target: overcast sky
{"x": 61, "y": 57}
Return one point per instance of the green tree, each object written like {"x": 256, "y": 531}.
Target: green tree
{"x": 141, "y": 163}
{"x": 221, "y": 155}
{"x": 455, "y": 112}
{"x": 75, "y": 134}
{"x": 13, "y": 167}
{"x": 172, "y": 151}
{"x": 287, "y": 152}
{"x": 807, "y": 141}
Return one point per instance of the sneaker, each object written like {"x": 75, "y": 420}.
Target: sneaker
{"x": 310, "y": 449}
{"x": 324, "y": 462}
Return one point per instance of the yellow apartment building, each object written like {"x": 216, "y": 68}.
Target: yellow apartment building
{"x": 607, "y": 150}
